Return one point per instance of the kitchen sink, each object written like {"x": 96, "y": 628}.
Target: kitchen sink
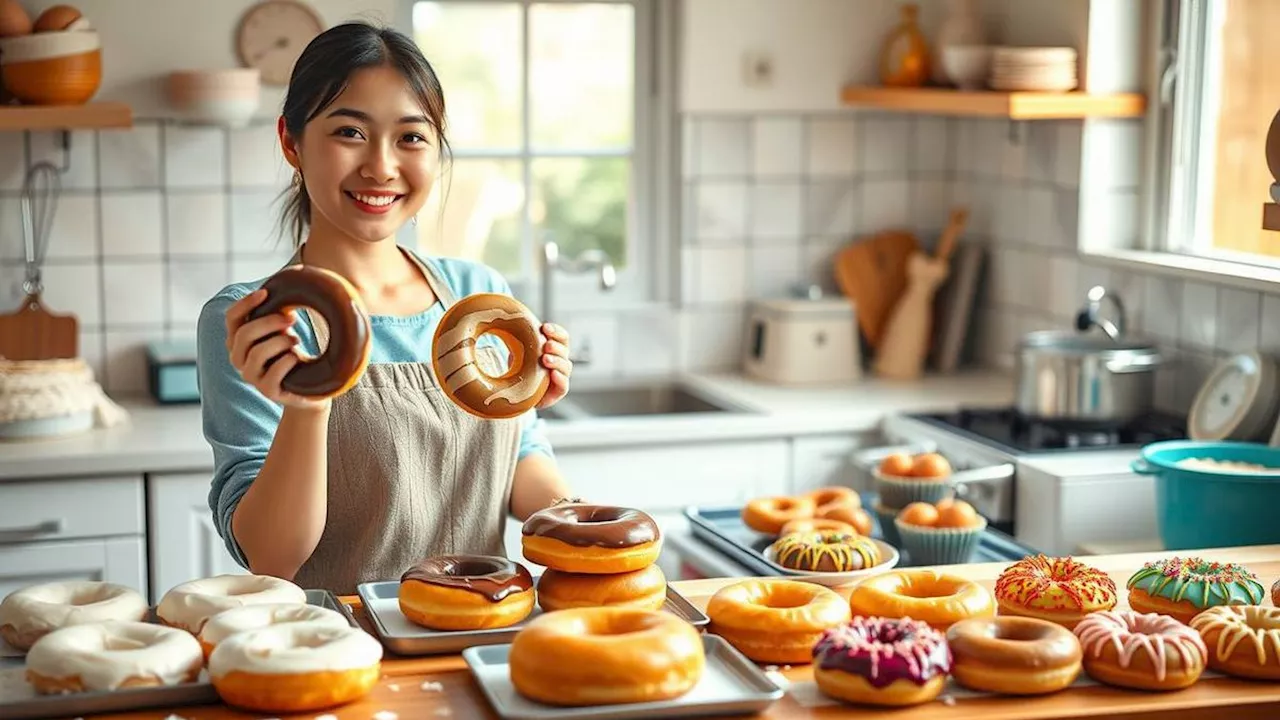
{"x": 663, "y": 398}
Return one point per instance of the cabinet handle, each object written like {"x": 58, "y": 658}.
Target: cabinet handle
{"x": 18, "y": 534}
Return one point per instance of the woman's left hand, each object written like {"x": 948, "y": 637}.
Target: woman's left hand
{"x": 555, "y": 357}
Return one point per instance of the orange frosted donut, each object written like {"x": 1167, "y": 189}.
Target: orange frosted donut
{"x": 775, "y": 620}
{"x": 1059, "y": 590}
{"x": 1013, "y": 655}
{"x": 1242, "y": 640}
{"x": 594, "y": 539}
{"x": 855, "y": 516}
{"x": 466, "y": 592}
{"x": 809, "y": 525}
{"x": 882, "y": 661}
{"x": 938, "y": 599}
{"x": 1146, "y": 652}
{"x": 295, "y": 667}
{"x": 604, "y": 656}
{"x": 768, "y": 515}
{"x": 831, "y": 497}
{"x": 645, "y": 589}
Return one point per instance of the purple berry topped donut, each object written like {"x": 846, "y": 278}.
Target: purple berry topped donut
{"x": 882, "y": 661}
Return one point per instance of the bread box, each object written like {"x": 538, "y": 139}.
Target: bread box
{"x": 796, "y": 341}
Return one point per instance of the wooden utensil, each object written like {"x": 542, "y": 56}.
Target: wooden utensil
{"x": 32, "y": 332}
{"x": 872, "y": 272}
{"x": 906, "y": 340}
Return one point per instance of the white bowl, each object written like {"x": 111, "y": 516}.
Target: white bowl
{"x": 48, "y": 45}
{"x": 967, "y": 65}
{"x": 220, "y": 97}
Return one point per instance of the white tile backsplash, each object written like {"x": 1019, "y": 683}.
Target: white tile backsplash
{"x": 886, "y": 146}
{"x": 74, "y": 288}
{"x": 254, "y": 221}
{"x": 1199, "y": 315}
{"x": 135, "y": 293}
{"x": 831, "y": 208}
{"x": 255, "y": 159}
{"x": 886, "y": 204}
{"x": 1239, "y": 318}
{"x": 13, "y": 153}
{"x": 1064, "y": 297}
{"x": 11, "y": 244}
{"x": 197, "y": 223}
{"x": 194, "y": 157}
{"x": 1269, "y": 336}
{"x": 126, "y": 359}
{"x": 721, "y": 275}
{"x": 833, "y": 147}
{"x": 130, "y": 159}
{"x": 1011, "y": 219}
{"x": 191, "y": 284}
{"x": 77, "y": 164}
{"x": 648, "y": 345}
{"x": 711, "y": 338}
{"x": 777, "y": 147}
{"x": 776, "y": 210}
{"x": 721, "y": 209}
{"x": 74, "y": 235}
{"x": 773, "y": 270}
{"x": 1163, "y": 298}
{"x": 930, "y": 204}
{"x": 723, "y": 148}
{"x": 132, "y": 224}
{"x": 932, "y": 151}
{"x": 595, "y": 337}
{"x": 1066, "y": 156}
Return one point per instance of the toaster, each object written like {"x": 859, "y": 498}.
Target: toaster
{"x": 796, "y": 341}
{"x": 171, "y": 372}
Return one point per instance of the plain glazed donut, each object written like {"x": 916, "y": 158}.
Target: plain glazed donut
{"x": 826, "y": 552}
{"x": 605, "y": 656}
{"x": 775, "y": 621}
{"x": 1060, "y": 590}
{"x": 1183, "y": 587}
{"x": 329, "y": 294}
{"x": 1243, "y": 640}
{"x": 826, "y": 499}
{"x": 112, "y": 655}
{"x": 936, "y": 598}
{"x": 645, "y": 589}
{"x": 1145, "y": 652}
{"x": 466, "y": 592}
{"x": 28, "y": 614}
{"x": 191, "y": 604}
{"x": 453, "y": 356}
{"x": 594, "y": 539}
{"x": 295, "y": 667}
{"x": 855, "y": 516}
{"x": 882, "y": 661}
{"x": 768, "y": 515}
{"x": 1013, "y": 655}
{"x": 808, "y": 525}
{"x": 253, "y": 617}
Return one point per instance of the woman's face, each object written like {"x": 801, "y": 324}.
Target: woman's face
{"x": 370, "y": 159}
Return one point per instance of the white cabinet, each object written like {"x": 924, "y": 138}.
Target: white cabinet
{"x": 117, "y": 560}
{"x": 184, "y": 543}
{"x": 822, "y": 460}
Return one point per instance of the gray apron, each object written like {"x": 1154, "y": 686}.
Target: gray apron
{"x": 410, "y": 474}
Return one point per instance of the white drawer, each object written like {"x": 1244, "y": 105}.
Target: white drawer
{"x": 118, "y": 560}
{"x": 62, "y": 509}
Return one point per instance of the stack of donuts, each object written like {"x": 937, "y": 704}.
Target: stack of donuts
{"x": 262, "y": 646}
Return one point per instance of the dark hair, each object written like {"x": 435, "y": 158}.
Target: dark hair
{"x": 321, "y": 73}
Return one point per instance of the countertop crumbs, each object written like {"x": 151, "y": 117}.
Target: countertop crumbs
{"x": 393, "y": 687}
{"x": 948, "y": 700}
{"x": 326, "y": 717}
{"x": 771, "y": 668}
{"x": 432, "y": 686}
{"x": 443, "y": 711}
{"x": 385, "y": 715}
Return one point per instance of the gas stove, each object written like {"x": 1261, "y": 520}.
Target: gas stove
{"x": 1007, "y": 430}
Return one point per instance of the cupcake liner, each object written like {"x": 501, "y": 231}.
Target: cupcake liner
{"x": 888, "y": 530}
{"x": 898, "y": 493}
{"x": 940, "y": 546}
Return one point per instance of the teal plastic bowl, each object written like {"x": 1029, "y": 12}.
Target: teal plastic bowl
{"x": 1206, "y": 509}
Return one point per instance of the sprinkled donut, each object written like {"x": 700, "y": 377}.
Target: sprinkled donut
{"x": 1184, "y": 587}
{"x": 1061, "y": 590}
{"x": 882, "y": 661}
{"x": 457, "y": 364}
{"x": 329, "y": 294}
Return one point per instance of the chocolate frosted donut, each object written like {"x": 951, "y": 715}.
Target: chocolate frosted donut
{"x": 493, "y": 577}
{"x": 599, "y": 525}
{"x": 453, "y": 356}
{"x": 342, "y": 363}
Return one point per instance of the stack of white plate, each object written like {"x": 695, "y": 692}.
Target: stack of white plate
{"x": 1033, "y": 68}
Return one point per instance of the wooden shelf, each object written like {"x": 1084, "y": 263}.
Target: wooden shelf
{"x": 992, "y": 103}
{"x": 65, "y": 117}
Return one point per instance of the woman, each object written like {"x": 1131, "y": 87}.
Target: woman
{"x": 334, "y": 493}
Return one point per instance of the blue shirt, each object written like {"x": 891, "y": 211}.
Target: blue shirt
{"x": 240, "y": 423}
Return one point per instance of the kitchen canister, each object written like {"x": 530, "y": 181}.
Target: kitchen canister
{"x": 1213, "y": 494}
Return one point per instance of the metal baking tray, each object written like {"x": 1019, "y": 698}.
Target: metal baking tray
{"x": 730, "y": 685}
{"x": 403, "y": 637}
{"x": 18, "y": 701}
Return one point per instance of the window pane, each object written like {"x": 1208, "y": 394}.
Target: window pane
{"x": 1247, "y": 87}
{"x": 476, "y": 51}
{"x": 483, "y": 206}
{"x": 581, "y": 75}
{"x": 583, "y": 203}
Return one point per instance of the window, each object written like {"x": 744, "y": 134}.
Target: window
{"x": 1213, "y": 179}
{"x": 551, "y": 125}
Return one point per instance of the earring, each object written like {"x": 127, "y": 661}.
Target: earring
{"x": 297, "y": 177}
{"x": 415, "y": 221}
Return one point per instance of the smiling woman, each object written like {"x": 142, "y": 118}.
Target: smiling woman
{"x": 332, "y": 492}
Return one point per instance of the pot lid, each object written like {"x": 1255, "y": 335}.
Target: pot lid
{"x": 1084, "y": 343}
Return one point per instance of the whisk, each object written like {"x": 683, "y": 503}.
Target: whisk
{"x": 40, "y": 192}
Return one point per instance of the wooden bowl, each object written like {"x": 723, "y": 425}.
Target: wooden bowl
{"x": 52, "y": 68}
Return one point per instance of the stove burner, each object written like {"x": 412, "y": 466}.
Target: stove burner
{"x": 1009, "y": 429}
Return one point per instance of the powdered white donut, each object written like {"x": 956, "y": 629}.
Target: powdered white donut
{"x": 192, "y": 603}
{"x": 254, "y": 617}
{"x": 104, "y": 655}
{"x": 294, "y": 649}
{"x": 31, "y": 612}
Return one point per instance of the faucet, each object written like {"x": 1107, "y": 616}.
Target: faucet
{"x": 1088, "y": 315}
{"x": 586, "y": 261}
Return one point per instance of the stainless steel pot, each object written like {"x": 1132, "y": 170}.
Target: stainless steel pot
{"x": 1085, "y": 377}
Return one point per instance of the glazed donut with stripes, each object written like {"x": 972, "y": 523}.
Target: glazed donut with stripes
{"x": 455, "y": 359}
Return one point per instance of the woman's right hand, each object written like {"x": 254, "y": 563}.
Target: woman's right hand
{"x": 263, "y": 350}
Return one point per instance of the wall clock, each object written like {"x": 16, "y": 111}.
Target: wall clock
{"x": 272, "y": 34}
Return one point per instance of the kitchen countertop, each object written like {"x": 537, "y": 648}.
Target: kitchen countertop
{"x": 170, "y": 439}
{"x": 449, "y": 690}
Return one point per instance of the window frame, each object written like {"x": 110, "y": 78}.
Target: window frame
{"x": 654, "y": 189}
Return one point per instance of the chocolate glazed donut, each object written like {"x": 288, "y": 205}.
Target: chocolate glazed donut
{"x": 453, "y": 356}
{"x": 493, "y": 577}
{"x": 342, "y": 363}
{"x": 599, "y": 525}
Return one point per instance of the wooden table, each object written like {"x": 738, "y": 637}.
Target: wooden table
{"x": 450, "y": 692}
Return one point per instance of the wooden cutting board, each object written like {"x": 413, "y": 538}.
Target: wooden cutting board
{"x": 872, "y": 272}
{"x": 32, "y": 332}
